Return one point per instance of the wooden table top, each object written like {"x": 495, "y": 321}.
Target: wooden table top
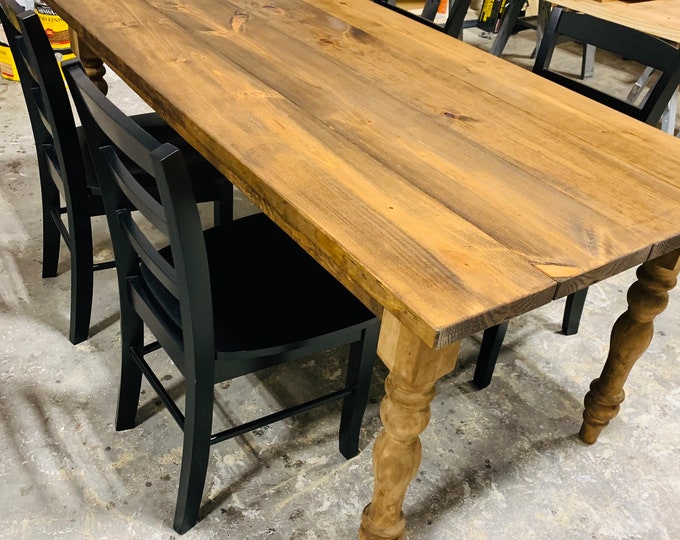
{"x": 660, "y": 18}
{"x": 448, "y": 186}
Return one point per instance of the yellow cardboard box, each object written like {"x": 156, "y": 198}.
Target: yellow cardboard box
{"x": 8, "y": 68}
{"x": 55, "y": 27}
{"x": 57, "y": 32}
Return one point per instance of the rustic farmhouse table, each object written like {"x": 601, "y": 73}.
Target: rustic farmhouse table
{"x": 446, "y": 188}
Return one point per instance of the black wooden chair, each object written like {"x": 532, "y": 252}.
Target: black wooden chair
{"x": 67, "y": 182}
{"x": 453, "y": 26}
{"x": 629, "y": 44}
{"x": 222, "y": 303}
{"x": 455, "y": 21}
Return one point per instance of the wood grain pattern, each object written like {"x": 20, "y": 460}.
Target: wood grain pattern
{"x": 660, "y": 18}
{"x": 448, "y": 189}
{"x": 405, "y": 413}
{"x": 431, "y": 204}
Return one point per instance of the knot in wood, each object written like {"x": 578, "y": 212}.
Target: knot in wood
{"x": 456, "y": 116}
{"x": 275, "y": 9}
{"x": 238, "y": 20}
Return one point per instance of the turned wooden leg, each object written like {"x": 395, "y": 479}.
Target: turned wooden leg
{"x": 631, "y": 335}
{"x": 405, "y": 413}
{"x": 92, "y": 64}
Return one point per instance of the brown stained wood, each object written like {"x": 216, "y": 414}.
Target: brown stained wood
{"x": 92, "y": 64}
{"x": 307, "y": 70}
{"x": 631, "y": 335}
{"x": 478, "y": 190}
{"x": 569, "y": 285}
{"x": 477, "y": 198}
{"x": 313, "y": 170}
{"x": 405, "y": 413}
{"x": 442, "y": 185}
{"x": 657, "y": 17}
{"x": 393, "y": 154}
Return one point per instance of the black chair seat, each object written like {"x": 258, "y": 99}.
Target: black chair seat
{"x": 254, "y": 265}
{"x": 222, "y": 303}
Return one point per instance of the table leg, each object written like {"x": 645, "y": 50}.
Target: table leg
{"x": 92, "y": 64}
{"x": 405, "y": 413}
{"x": 631, "y": 335}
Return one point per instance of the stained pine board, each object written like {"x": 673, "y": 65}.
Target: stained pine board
{"x": 452, "y": 217}
{"x": 660, "y": 18}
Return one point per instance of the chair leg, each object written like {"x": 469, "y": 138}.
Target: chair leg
{"x": 507, "y": 26}
{"x": 572, "y": 312}
{"x": 195, "y": 456}
{"x": 50, "y": 247}
{"x": 223, "y": 208}
{"x": 429, "y": 9}
{"x": 359, "y": 370}
{"x": 488, "y": 354}
{"x": 456, "y": 21}
{"x": 51, "y": 234}
{"x": 132, "y": 337}
{"x": 81, "y": 286}
{"x": 588, "y": 61}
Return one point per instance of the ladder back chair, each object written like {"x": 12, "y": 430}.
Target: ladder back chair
{"x": 627, "y": 43}
{"x": 455, "y": 21}
{"x": 222, "y": 303}
{"x": 68, "y": 185}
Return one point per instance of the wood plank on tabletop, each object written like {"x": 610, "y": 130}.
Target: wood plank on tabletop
{"x": 304, "y": 176}
{"x": 405, "y": 45}
{"x": 478, "y": 183}
{"x": 657, "y": 17}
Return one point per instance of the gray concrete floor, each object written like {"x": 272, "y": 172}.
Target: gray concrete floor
{"x": 504, "y": 462}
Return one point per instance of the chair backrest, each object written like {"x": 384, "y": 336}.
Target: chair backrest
{"x": 453, "y": 25}
{"x": 170, "y": 294}
{"x": 427, "y": 21}
{"x": 623, "y": 41}
{"x": 49, "y": 109}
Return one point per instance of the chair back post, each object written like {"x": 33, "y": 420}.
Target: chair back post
{"x": 657, "y": 101}
{"x": 48, "y": 105}
{"x": 623, "y": 41}
{"x": 190, "y": 261}
{"x": 116, "y": 141}
{"x": 9, "y": 12}
{"x": 548, "y": 42}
